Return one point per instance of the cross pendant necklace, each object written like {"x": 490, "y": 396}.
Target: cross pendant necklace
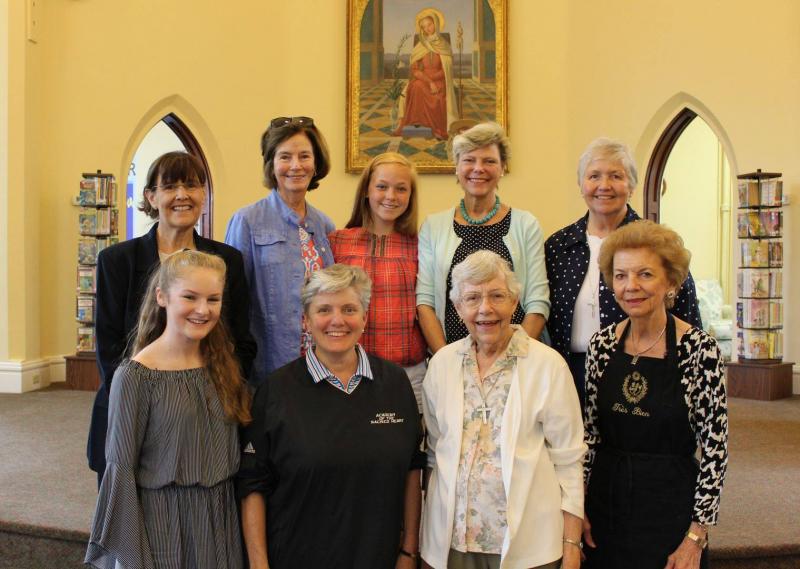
{"x": 484, "y": 410}
{"x": 595, "y": 299}
{"x": 593, "y": 304}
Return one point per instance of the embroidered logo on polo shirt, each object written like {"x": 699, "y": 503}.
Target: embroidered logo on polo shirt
{"x": 249, "y": 449}
{"x": 386, "y": 419}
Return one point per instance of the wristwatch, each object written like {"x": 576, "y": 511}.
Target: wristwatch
{"x": 700, "y": 540}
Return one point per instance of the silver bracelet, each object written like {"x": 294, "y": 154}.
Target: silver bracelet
{"x": 577, "y": 544}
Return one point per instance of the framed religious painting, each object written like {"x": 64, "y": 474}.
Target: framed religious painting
{"x": 418, "y": 73}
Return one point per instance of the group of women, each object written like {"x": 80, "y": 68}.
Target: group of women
{"x": 276, "y": 390}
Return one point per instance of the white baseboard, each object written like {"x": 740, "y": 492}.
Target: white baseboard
{"x": 19, "y": 376}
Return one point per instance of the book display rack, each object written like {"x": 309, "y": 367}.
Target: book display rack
{"x": 760, "y": 373}
{"x": 97, "y": 227}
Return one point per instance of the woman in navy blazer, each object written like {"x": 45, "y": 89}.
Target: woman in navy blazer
{"x": 174, "y": 195}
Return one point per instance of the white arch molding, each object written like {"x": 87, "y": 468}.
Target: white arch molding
{"x": 665, "y": 115}
{"x": 672, "y": 111}
{"x": 180, "y": 107}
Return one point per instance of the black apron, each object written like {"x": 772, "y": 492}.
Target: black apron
{"x": 641, "y": 492}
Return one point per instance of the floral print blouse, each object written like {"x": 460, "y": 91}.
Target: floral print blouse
{"x": 480, "y": 511}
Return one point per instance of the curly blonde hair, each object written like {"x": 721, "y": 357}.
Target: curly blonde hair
{"x": 645, "y": 234}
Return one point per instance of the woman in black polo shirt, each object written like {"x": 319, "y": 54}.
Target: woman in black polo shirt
{"x": 330, "y": 471}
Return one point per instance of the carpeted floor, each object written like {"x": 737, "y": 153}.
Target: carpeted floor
{"x": 44, "y": 477}
{"x": 761, "y": 498}
{"x": 44, "y": 480}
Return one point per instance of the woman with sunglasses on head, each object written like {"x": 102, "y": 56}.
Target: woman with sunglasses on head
{"x": 174, "y": 194}
{"x": 167, "y": 498}
{"x": 283, "y": 238}
{"x": 381, "y": 238}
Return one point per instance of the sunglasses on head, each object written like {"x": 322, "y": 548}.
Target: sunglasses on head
{"x": 283, "y": 121}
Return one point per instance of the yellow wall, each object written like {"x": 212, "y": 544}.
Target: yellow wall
{"x": 20, "y": 185}
{"x": 578, "y": 70}
{"x": 692, "y": 177}
{"x": 4, "y": 156}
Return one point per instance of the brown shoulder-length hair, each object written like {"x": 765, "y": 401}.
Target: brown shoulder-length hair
{"x": 274, "y": 136}
{"x": 645, "y": 234}
{"x": 171, "y": 168}
{"x": 406, "y": 224}
{"x": 217, "y": 348}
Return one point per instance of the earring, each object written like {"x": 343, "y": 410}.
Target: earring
{"x": 671, "y": 294}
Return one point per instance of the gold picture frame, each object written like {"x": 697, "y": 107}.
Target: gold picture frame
{"x": 410, "y": 85}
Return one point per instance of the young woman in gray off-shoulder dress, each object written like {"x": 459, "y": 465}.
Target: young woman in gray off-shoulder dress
{"x": 167, "y": 498}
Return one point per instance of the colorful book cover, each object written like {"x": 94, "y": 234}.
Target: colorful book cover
{"x": 755, "y": 224}
{"x": 755, "y": 253}
{"x": 86, "y": 196}
{"x": 775, "y": 249}
{"x": 742, "y": 226}
{"x": 748, "y": 193}
{"x": 87, "y": 221}
{"x": 87, "y": 251}
{"x": 86, "y": 280}
{"x": 753, "y": 283}
{"x": 776, "y": 283}
{"x": 775, "y": 340}
{"x": 86, "y": 339}
{"x": 753, "y": 313}
{"x": 771, "y": 192}
{"x": 776, "y": 313}
{"x": 85, "y": 309}
{"x": 754, "y": 344}
{"x": 772, "y": 222}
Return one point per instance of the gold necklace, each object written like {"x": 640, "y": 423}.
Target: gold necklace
{"x": 639, "y": 353}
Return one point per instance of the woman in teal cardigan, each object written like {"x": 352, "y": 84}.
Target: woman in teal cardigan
{"x": 480, "y": 221}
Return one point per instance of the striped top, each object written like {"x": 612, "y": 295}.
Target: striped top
{"x": 319, "y": 371}
{"x": 166, "y": 499}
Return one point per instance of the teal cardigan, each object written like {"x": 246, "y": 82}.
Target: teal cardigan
{"x": 438, "y": 243}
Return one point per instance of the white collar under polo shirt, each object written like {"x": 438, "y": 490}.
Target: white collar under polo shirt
{"x": 319, "y": 371}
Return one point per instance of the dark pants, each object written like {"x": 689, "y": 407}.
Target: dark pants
{"x": 577, "y": 365}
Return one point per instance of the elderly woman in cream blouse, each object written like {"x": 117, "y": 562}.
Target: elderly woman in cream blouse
{"x": 505, "y": 437}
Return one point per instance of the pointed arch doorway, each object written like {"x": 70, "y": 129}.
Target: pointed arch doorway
{"x": 688, "y": 186}
{"x": 169, "y": 134}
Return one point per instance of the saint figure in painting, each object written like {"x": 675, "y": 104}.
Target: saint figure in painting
{"x": 429, "y": 95}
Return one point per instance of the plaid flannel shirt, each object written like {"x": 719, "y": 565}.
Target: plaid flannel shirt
{"x": 392, "y": 330}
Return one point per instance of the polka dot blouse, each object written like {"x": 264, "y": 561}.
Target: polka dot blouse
{"x": 476, "y": 238}
{"x": 567, "y": 261}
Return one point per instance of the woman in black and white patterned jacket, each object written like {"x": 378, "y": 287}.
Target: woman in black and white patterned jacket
{"x": 654, "y": 396}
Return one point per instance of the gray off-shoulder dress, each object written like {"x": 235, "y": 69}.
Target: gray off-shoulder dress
{"x": 167, "y": 497}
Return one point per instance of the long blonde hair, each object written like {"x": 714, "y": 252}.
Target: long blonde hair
{"x": 217, "y": 348}
{"x": 406, "y": 223}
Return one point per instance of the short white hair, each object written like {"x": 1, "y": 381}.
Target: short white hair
{"x": 613, "y": 151}
{"x": 334, "y": 279}
{"x": 479, "y": 268}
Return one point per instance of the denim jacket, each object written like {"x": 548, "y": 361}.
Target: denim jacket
{"x": 266, "y": 233}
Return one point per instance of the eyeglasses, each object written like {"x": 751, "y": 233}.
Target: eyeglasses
{"x": 495, "y": 298}
{"x": 283, "y": 121}
{"x": 189, "y": 187}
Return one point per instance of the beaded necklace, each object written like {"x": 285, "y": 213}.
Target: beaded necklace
{"x": 482, "y": 220}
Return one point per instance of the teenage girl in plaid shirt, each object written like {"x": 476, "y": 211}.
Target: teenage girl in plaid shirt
{"x": 381, "y": 238}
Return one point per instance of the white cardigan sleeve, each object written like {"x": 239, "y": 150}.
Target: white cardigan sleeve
{"x": 563, "y": 432}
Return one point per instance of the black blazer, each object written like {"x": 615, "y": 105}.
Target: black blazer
{"x": 123, "y": 272}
